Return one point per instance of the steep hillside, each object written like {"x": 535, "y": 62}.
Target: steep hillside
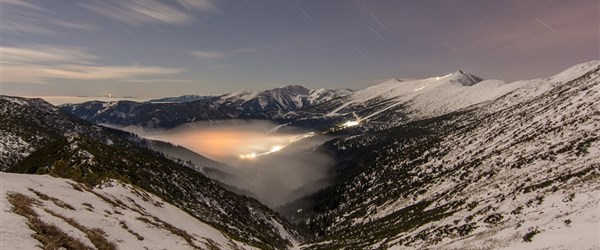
{"x": 522, "y": 168}
{"x": 47, "y": 141}
{"x": 29, "y": 124}
{"x": 113, "y": 215}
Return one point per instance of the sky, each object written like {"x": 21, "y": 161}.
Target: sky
{"x": 155, "y": 48}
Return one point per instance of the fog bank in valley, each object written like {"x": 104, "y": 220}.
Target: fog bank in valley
{"x": 284, "y": 165}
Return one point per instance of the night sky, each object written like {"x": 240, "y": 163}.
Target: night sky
{"x": 151, "y": 48}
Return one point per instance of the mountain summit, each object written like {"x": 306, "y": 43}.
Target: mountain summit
{"x": 463, "y": 78}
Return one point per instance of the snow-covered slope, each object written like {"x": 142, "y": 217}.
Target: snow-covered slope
{"x": 521, "y": 171}
{"x": 129, "y": 217}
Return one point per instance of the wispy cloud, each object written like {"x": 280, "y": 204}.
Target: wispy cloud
{"x": 140, "y": 12}
{"x": 39, "y": 63}
{"x": 207, "y": 54}
{"x": 84, "y": 72}
{"x": 44, "y": 54}
{"x": 22, "y": 17}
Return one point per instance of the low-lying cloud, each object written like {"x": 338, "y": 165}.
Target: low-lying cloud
{"x": 276, "y": 178}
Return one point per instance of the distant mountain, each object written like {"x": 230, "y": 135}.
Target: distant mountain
{"x": 273, "y": 104}
{"x": 519, "y": 171}
{"x": 279, "y": 100}
{"x": 37, "y": 138}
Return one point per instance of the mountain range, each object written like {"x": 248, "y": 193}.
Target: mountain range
{"x": 273, "y": 104}
{"x": 446, "y": 162}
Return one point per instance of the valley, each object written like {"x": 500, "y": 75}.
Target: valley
{"x": 253, "y": 155}
{"x": 430, "y": 163}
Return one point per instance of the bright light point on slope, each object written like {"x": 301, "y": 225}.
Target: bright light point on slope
{"x": 276, "y": 148}
{"x": 350, "y": 124}
{"x": 248, "y": 156}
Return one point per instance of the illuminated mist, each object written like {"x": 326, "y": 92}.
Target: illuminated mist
{"x": 276, "y": 166}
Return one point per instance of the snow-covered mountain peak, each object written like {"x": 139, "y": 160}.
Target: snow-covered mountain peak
{"x": 463, "y": 78}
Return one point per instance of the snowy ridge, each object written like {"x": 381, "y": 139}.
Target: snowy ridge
{"x": 403, "y": 91}
{"x": 127, "y": 215}
{"x": 434, "y": 96}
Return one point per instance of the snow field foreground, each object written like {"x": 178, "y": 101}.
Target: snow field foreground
{"x": 127, "y": 217}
